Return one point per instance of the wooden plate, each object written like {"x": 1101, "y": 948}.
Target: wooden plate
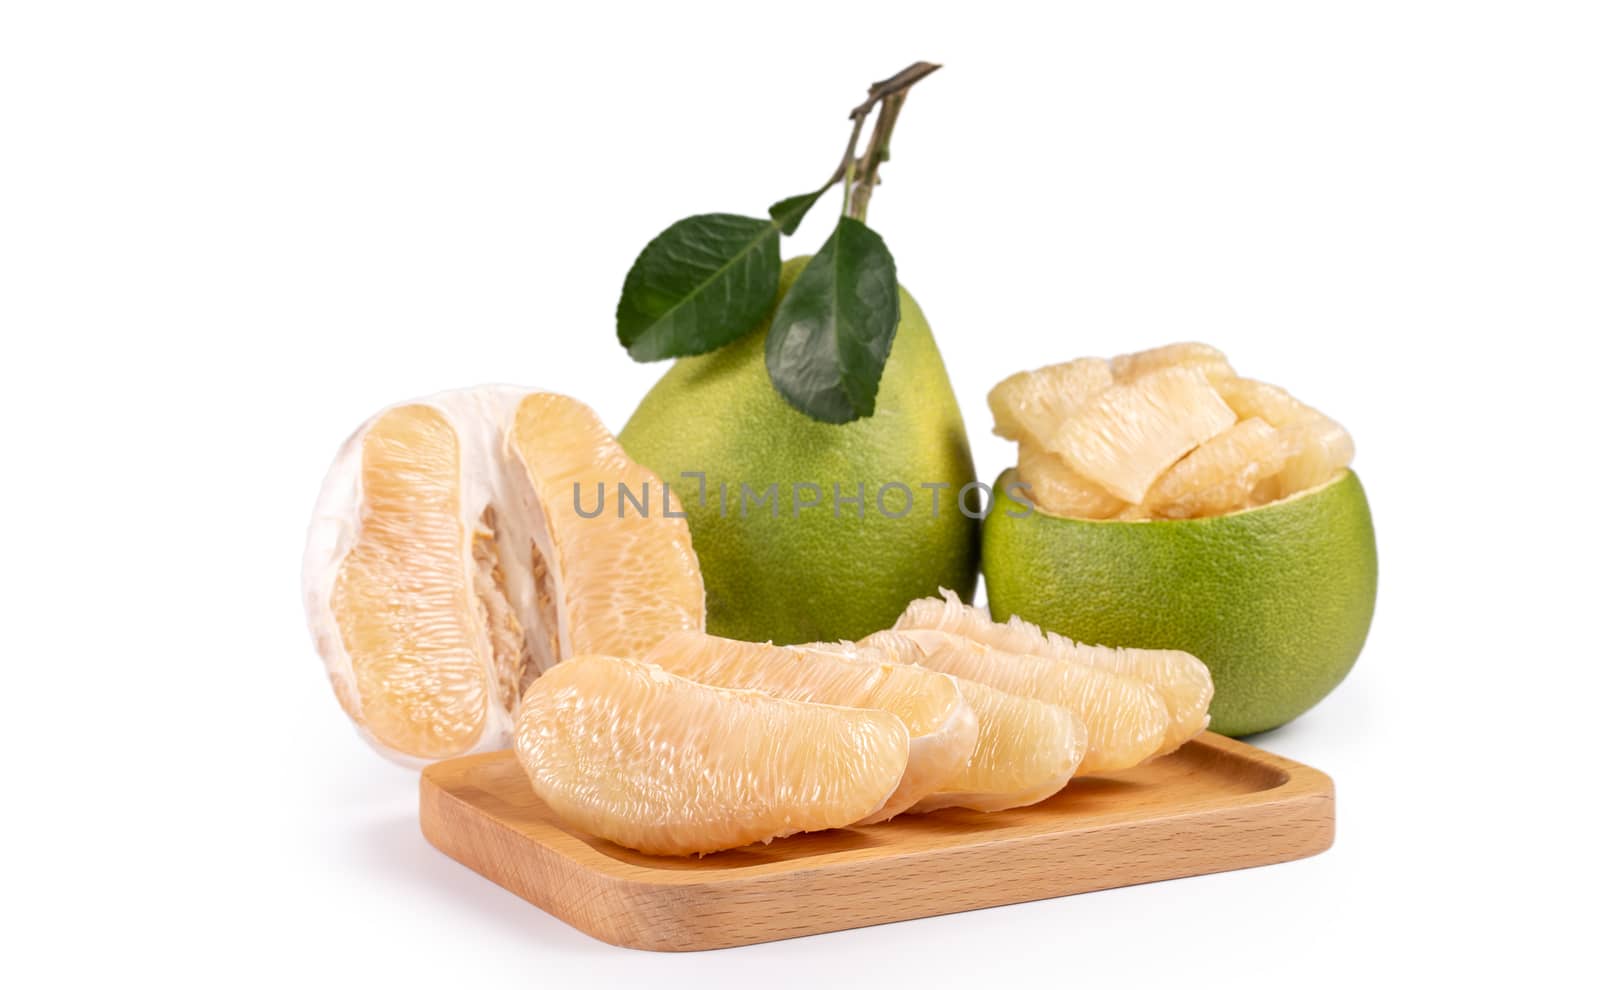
{"x": 1217, "y": 804}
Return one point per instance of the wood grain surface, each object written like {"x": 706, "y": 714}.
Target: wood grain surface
{"x": 1217, "y": 804}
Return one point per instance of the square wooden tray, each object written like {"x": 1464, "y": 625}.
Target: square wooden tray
{"x": 1215, "y": 805}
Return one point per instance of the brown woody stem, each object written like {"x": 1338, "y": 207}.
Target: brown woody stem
{"x": 861, "y": 174}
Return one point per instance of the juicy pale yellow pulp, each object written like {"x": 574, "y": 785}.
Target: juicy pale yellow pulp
{"x": 659, "y": 763}
{"x": 416, "y": 641}
{"x": 1026, "y": 750}
{"x": 942, "y": 727}
{"x": 1182, "y": 681}
{"x": 629, "y": 576}
{"x": 1126, "y": 720}
{"x": 1167, "y": 433}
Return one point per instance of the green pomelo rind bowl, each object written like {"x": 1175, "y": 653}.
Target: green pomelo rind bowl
{"x": 1277, "y": 600}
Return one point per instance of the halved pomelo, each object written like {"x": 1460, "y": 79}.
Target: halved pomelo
{"x": 656, "y": 762}
{"x": 941, "y": 724}
{"x": 1277, "y": 600}
{"x": 1245, "y": 540}
{"x": 445, "y": 567}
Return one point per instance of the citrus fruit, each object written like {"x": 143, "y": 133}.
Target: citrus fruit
{"x": 1276, "y": 600}
{"x": 1241, "y": 537}
{"x": 1026, "y": 749}
{"x": 656, "y": 762}
{"x": 1179, "y": 678}
{"x": 785, "y": 510}
{"x": 942, "y": 727}
{"x": 1126, "y": 719}
{"x": 445, "y": 566}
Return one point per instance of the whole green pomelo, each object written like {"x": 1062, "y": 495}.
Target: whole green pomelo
{"x": 833, "y": 571}
{"x": 1276, "y": 600}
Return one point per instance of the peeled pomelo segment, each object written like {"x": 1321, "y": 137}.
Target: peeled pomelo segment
{"x": 1182, "y": 681}
{"x": 417, "y": 650}
{"x": 1030, "y": 405}
{"x": 656, "y": 762}
{"x": 1219, "y": 475}
{"x": 1316, "y": 448}
{"x": 626, "y": 577}
{"x": 1249, "y": 398}
{"x": 1026, "y": 751}
{"x": 1126, "y": 719}
{"x": 1207, "y": 359}
{"x": 1059, "y": 490}
{"x": 942, "y": 727}
{"x": 1315, "y": 453}
{"x": 1124, "y": 438}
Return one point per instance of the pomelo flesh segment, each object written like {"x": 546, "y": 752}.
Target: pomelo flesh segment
{"x": 1220, "y": 474}
{"x": 1315, "y": 453}
{"x": 1181, "y": 679}
{"x": 942, "y": 726}
{"x": 1125, "y": 437}
{"x": 1026, "y": 749}
{"x": 1030, "y": 404}
{"x": 1210, "y": 361}
{"x": 1316, "y": 448}
{"x": 1250, "y": 398}
{"x": 626, "y": 577}
{"x": 1126, "y": 719}
{"x": 1059, "y": 490}
{"x": 415, "y": 641}
{"x": 658, "y": 763}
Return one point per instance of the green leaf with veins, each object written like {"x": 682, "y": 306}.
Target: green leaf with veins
{"x": 831, "y": 335}
{"x": 787, "y": 213}
{"x": 701, "y": 283}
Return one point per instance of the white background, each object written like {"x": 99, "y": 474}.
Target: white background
{"x": 229, "y": 232}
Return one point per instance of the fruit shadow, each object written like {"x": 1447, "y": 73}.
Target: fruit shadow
{"x": 396, "y": 849}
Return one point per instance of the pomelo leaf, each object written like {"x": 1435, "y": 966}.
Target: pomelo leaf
{"x": 831, "y": 335}
{"x": 701, "y": 283}
{"x": 787, "y": 213}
